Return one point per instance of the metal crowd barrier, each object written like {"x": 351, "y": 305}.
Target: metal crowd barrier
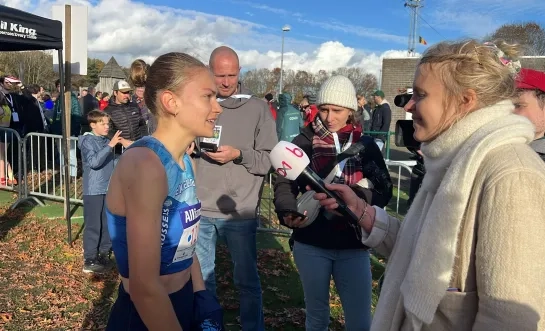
{"x": 387, "y": 145}
{"x": 11, "y": 163}
{"x": 38, "y": 174}
{"x": 268, "y": 220}
{"x": 44, "y": 168}
{"x": 402, "y": 185}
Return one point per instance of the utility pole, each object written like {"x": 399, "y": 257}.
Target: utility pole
{"x": 414, "y": 6}
{"x": 285, "y": 29}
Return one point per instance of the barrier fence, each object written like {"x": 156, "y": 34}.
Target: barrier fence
{"x": 33, "y": 168}
{"x": 400, "y": 171}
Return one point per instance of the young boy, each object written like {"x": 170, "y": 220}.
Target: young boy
{"x": 98, "y": 164}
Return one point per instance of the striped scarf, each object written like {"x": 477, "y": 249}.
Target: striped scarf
{"x": 323, "y": 151}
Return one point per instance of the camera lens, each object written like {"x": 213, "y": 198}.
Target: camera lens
{"x": 402, "y": 99}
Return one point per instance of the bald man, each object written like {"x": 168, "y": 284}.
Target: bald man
{"x": 229, "y": 183}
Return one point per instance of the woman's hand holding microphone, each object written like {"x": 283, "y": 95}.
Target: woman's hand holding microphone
{"x": 362, "y": 209}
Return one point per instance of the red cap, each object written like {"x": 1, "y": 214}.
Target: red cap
{"x": 12, "y": 79}
{"x": 529, "y": 79}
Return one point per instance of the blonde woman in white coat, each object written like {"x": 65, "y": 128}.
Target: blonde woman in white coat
{"x": 469, "y": 255}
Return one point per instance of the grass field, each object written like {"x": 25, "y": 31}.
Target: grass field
{"x": 43, "y": 287}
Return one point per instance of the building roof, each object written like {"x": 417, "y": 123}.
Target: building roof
{"x": 112, "y": 69}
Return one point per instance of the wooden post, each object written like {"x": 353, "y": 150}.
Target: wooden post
{"x": 67, "y": 113}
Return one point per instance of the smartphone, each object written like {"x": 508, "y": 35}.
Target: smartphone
{"x": 208, "y": 147}
{"x": 293, "y": 213}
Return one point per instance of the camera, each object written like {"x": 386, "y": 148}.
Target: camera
{"x": 404, "y": 134}
{"x": 401, "y": 100}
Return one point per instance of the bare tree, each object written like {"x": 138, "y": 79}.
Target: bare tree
{"x": 364, "y": 82}
{"x": 530, "y": 35}
{"x": 301, "y": 82}
{"x": 33, "y": 67}
{"x": 256, "y": 81}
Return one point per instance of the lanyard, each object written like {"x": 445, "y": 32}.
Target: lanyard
{"x": 10, "y": 100}
{"x": 41, "y": 113}
{"x": 340, "y": 165}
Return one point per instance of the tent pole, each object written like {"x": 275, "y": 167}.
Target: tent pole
{"x": 67, "y": 112}
{"x": 64, "y": 145}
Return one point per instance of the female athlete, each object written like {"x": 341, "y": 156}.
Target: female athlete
{"x": 152, "y": 208}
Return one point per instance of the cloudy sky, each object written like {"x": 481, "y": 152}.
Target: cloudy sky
{"x": 324, "y": 34}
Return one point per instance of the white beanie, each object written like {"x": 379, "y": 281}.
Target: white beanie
{"x": 338, "y": 91}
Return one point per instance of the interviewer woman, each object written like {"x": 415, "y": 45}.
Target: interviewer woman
{"x": 469, "y": 254}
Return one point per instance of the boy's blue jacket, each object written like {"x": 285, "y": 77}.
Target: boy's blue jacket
{"x": 98, "y": 163}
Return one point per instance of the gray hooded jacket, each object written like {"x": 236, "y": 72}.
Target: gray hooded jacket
{"x": 232, "y": 191}
{"x": 538, "y": 146}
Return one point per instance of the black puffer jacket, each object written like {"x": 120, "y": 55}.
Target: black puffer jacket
{"x": 128, "y": 119}
{"x": 334, "y": 233}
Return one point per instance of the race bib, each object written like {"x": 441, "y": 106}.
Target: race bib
{"x": 190, "y": 217}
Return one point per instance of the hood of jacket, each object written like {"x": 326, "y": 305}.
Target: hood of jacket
{"x": 384, "y": 101}
{"x": 238, "y": 99}
{"x": 91, "y": 136}
{"x": 284, "y": 100}
{"x": 538, "y": 145}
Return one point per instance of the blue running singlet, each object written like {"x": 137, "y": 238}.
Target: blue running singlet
{"x": 180, "y": 216}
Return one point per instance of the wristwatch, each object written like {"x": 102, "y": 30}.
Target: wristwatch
{"x": 238, "y": 160}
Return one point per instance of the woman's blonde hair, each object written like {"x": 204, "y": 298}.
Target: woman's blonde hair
{"x": 139, "y": 73}
{"x": 489, "y": 69}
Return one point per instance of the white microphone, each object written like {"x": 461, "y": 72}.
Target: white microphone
{"x": 289, "y": 161}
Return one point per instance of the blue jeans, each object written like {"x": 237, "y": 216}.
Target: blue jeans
{"x": 240, "y": 236}
{"x": 351, "y": 271}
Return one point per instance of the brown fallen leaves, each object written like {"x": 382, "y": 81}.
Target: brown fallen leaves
{"x": 43, "y": 287}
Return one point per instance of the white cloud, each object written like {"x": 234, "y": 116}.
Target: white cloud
{"x": 477, "y": 18}
{"x": 328, "y": 56}
{"x": 16, "y": 3}
{"x": 127, "y": 30}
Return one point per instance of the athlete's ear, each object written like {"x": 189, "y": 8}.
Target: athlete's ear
{"x": 168, "y": 102}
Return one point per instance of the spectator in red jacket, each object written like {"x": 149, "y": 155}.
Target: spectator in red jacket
{"x": 104, "y": 102}
{"x": 272, "y": 104}
{"x": 309, "y": 109}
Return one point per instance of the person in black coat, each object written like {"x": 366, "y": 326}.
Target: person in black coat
{"x": 89, "y": 102}
{"x": 381, "y": 118}
{"x": 125, "y": 116}
{"x": 328, "y": 245}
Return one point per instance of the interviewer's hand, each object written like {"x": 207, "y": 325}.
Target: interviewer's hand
{"x": 344, "y": 192}
{"x": 353, "y": 202}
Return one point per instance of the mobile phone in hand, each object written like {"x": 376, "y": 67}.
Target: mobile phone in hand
{"x": 292, "y": 213}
